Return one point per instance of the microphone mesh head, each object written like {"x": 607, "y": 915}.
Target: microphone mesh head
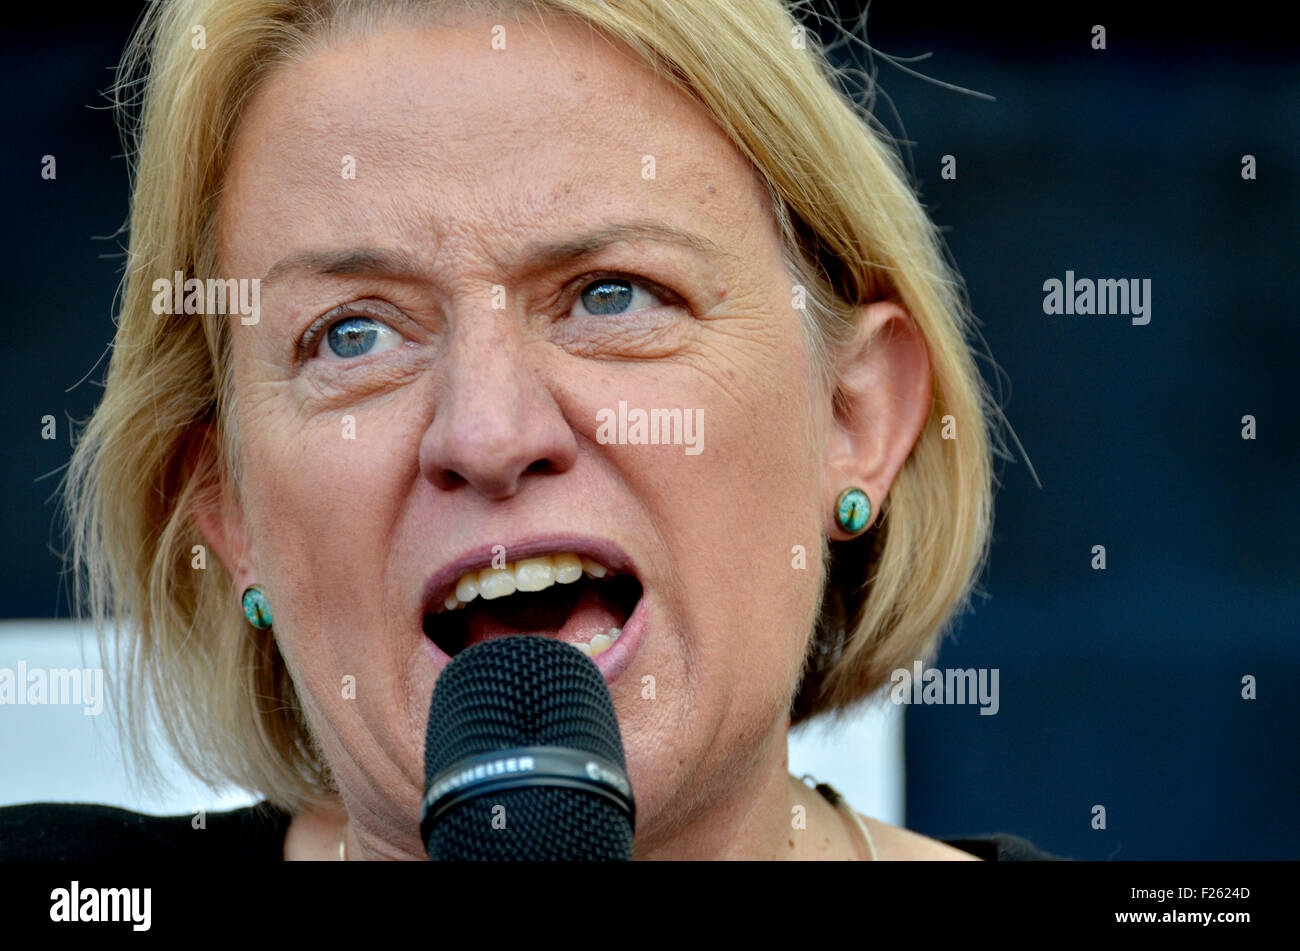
{"x": 525, "y": 690}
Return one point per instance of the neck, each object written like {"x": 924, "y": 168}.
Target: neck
{"x": 765, "y": 815}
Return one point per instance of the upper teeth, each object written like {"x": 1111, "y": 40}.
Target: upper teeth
{"x": 527, "y": 574}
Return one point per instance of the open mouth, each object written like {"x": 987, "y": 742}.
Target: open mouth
{"x": 565, "y": 596}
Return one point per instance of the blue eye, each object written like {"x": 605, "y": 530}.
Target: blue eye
{"x": 358, "y": 336}
{"x": 611, "y": 296}
{"x": 607, "y": 296}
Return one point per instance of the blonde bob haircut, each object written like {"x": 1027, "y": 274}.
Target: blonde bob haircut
{"x": 854, "y": 232}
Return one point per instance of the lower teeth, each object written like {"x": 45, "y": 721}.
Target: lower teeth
{"x": 600, "y": 643}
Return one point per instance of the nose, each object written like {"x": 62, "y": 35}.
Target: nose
{"x": 496, "y": 419}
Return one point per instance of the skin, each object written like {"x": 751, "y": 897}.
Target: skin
{"x": 478, "y": 424}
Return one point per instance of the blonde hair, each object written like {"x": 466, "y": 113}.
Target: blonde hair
{"x": 854, "y": 232}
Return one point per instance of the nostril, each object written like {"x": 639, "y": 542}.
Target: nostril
{"x": 491, "y": 440}
{"x": 448, "y": 479}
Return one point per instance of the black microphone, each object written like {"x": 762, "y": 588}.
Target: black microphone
{"x": 523, "y": 759}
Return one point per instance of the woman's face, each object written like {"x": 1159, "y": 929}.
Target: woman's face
{"x": 471, "y": 259}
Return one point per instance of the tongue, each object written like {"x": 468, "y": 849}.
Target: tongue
{"x": 591, "y": 615}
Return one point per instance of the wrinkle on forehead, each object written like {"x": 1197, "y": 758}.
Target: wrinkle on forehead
{"x": 510, "y": 173}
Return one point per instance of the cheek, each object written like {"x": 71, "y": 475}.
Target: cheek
{"x": 302, "y": 480}
{"x": 321, "y": 499}
{"x": 322, "y": 473}
{"x": 749, "y": 515}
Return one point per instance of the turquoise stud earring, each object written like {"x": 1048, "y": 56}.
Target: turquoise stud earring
{"x": 853, "y": 510}
{"x": 257, "y": 607}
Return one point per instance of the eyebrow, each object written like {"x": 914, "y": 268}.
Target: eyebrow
{"x": 535, "y": 255}
{"x": 589, "y": 242}
{"x": 347, "y": 261}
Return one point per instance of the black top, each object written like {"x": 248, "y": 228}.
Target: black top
{"x": 83, "y": 831}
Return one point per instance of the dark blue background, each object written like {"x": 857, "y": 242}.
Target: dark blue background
{"x": 1119, "y": 687}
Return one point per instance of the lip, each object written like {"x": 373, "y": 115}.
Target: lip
{"x": 613, "y": 661}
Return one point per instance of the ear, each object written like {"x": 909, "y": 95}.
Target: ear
{"x": 881, "y": 405}
{"x": 215, "y": 510}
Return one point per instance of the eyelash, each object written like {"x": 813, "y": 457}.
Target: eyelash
{"x": 322, "y": 325}
{"x": 669, "y": 297}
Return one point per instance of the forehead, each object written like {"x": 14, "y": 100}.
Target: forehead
{"x": 430, "y": 135}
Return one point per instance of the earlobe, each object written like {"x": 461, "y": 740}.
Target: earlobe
{"x": 853, "y": 510}
{"x": 882, "y": 404}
